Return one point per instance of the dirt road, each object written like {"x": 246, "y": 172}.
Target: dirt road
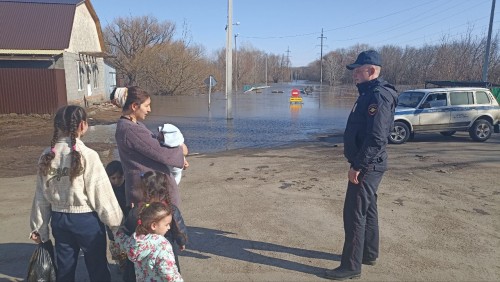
{"x": 276, "y": 215}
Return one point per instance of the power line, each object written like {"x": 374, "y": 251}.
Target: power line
{"x": 342, "y": 27}
{"x": 440, "y": 20}
{"x": 393, "y": 27}
{"x": 427, "y": 25}
{"x": 440, "y": 33}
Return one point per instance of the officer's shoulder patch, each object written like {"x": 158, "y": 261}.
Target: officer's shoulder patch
{"x": 372, "y": 109}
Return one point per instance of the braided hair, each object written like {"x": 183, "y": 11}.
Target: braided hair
{"x": 156, "y": 187}
{"x": 66, "y": 122}
{"x": 149, "y": 214}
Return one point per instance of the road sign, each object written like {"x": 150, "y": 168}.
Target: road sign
{"x": 210, "y": 81}
{"x": 295, "y": 93}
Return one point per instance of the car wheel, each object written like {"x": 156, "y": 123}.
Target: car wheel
{"x": 481, "y": 130}
{"x": 400, "y": 133}
{"x": 447, "y": 133}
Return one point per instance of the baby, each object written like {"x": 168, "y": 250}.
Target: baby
{"x": 170, "y": 136}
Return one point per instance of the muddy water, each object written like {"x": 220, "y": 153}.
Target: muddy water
{"x": 263, "y": 119}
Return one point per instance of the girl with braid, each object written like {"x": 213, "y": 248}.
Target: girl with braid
{"x": 74, "y": 194}
{"x": 147, "y": 247}
{"x": 154, "y": 186}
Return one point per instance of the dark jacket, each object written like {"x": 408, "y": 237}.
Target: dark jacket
{"x": 120, "y": 196}
{"x": 369, "y": 125}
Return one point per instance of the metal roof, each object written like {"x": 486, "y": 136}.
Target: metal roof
{"x": 35, "y": 26}
{"x": 447, "y": 89}
{"x": 30, "y": 52}
{"x": 453, "y": 83}
{"x": 70, "y": 2}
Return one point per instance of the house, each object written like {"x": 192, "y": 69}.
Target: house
{"x": 51, "y": 54}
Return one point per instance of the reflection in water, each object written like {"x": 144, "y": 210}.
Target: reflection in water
{"x": 295, "y": 110}
{"x": 259, "y": 120}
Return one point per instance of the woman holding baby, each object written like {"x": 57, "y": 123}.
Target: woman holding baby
{"x": 138, "y": 147}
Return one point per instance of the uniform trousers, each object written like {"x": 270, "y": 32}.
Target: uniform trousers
{"x": 75, "y": 231}
{"x": 361, "y": 221}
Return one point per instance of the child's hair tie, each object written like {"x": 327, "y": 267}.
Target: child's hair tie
{"x": 139, "y": 221}
{"x": 53, "y": 150}
{"x": 74, "y": 147}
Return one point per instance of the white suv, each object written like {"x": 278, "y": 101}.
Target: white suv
{"x": 446, "y": 110}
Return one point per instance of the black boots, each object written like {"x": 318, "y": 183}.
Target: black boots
{"x": 342, "y": 274}
{"x": 369, "y": 262}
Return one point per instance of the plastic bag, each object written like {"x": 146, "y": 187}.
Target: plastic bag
{"x": 42, "y": 267}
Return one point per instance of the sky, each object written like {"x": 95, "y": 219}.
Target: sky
{"x": 293, "y": 27}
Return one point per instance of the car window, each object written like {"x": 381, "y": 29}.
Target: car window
{"x": 482, "y": 98}
{"x": 410, "y": 99}
{"x": 461, "y": 98}
{"x": 437, "y": 100}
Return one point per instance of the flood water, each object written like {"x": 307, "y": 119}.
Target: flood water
{"x": 261, "y": 120}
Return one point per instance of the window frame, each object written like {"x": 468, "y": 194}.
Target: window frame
{"x": 80, "y": 75}
{"x": 469, "y": 94}
{"x": 95, "y": 72}
{"x": 485, "y": 94}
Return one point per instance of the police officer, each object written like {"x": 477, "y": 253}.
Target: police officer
{"x": 365, "y": 138}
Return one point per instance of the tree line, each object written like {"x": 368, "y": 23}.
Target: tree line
{"x": 449, "y": 59}
{"x": 144, "y": 52}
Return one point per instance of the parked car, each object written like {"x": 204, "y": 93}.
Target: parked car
{"x": 446, "y": 110}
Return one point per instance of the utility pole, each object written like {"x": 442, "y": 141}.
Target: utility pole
{"x": 266, "y": 69}
{"x": 321, "y": 58}
{"x": 236, "y": 61}
{"x": 229, "y": 59}
{"x": 288, "y": 62}
{"x": 488, "y": 43}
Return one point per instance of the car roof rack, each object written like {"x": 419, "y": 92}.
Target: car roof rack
{"x": 451, "y": 83}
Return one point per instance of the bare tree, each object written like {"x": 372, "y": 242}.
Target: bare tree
{"x": 334, "y": 65}
{"x": 173, "y": 69}
{"x": 127, "y": 39}
{"x": 144, "y": 51}
{"x": 392, "y": 62}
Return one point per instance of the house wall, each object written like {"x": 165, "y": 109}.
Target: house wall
{"x": 87, "y": 64}
{"x": 84, "y": 37}
{"x": 29, "y": 63}
{"x": 31, "y": 90}
{"x": 110, "y": 78}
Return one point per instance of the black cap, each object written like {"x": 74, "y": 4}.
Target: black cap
{"x": 370, "y": 57}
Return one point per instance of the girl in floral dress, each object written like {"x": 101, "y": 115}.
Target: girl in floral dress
{"x": 148, "y": 248}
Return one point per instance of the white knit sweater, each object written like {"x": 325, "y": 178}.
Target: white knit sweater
{"x": 88, "y": 192}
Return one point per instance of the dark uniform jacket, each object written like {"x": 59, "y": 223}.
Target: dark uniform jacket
{"x": 369, "y": 125}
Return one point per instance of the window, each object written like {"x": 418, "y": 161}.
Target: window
{"x": 482, "y": 98}
{"x": 410, "y": 99}
{"x": 437, "y": 100}
{"x": 95, "y": 76}
{"x": 461, "y": 98}
{"x": 80, "y": 72}
{"x": 112, "y": 80}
